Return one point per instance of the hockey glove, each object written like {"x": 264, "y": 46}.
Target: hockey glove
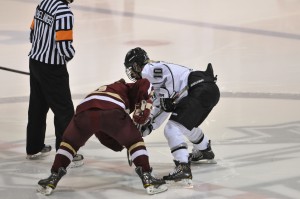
{"x": 146, "y": 129}
{"x": 142, "y": 112}
{"x": 167, "y": 104}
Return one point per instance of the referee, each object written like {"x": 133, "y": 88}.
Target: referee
{"x": 51, "y": 36}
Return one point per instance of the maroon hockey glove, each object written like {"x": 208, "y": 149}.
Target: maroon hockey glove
{"x": 142, "y": 112}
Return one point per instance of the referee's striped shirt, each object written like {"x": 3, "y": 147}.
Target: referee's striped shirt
{"x": 52, "y": 33}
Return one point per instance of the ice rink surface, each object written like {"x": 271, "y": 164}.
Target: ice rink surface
{"x": 255, "y": 129}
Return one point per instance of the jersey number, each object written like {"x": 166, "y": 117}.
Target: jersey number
{"x": 157, "y": 73}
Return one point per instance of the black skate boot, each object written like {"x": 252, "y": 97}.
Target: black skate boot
{"x": 46, "y": 186}
{"x": 44, "y": 152}
{"x": 151, "y": 184}
{"x": 203, "y": 156}
{"x": 182, "y": 173}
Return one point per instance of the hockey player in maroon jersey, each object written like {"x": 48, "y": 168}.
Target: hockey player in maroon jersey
{"x": 105, "y": 114}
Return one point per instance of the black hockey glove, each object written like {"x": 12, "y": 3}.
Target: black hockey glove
{"x": 167, "y": 104}
{"x": 146, "y": 129}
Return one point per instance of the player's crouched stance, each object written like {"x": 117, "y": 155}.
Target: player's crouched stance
{"x": 105, "y": 114}
{"x": 151, "y": 184}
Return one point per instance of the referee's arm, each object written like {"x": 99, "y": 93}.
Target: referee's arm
{"x": 31, "y": 31}
{"x": 64, "y": 35}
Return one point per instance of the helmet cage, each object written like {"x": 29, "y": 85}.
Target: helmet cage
{"x": 134, "y": 62}
{"x": 133, "y": 71}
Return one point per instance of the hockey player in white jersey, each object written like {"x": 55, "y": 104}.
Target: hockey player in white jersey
{"x": 189, "y": 96}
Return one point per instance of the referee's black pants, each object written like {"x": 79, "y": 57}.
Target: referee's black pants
{"x": 49, "y": 88}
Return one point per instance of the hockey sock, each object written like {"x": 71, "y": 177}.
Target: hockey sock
{"x": 60, "y": 161}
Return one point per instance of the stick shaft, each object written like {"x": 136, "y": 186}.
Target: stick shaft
{"x": 13, "y": 70}
{"x": 175, "y": 97}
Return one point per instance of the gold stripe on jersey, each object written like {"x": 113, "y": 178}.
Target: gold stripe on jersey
{"x": 64, "y": 35}
{"x": 109, "y": 94}
{"x": 68, "y": 146}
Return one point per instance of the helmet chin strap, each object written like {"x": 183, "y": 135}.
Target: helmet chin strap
{"x": 139, "y": 76}
{"x": 137, "y": 70}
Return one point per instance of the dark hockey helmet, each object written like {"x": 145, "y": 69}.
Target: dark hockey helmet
{"x": 135, "y": 60}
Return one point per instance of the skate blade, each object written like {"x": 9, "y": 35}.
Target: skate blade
{"x": 45, "y": 153}
{"x": 45, "y": 191}
{"x": 154, "y": 189}
{"x": 37, "y": 156}
{"x": 75, "y": 164}
{"x": 185, "y": 183}
{"x": 206, "y": 161}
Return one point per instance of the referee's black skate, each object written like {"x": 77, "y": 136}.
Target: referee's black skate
{"x": 203, "y": 156}
{"x": 44, "y": 152}
{"x": 46, "y": 186}
{"x": 151, "y": 184}
{"x": 181, "y": 174}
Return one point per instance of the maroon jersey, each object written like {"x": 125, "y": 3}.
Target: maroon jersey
{"x": 102, "y": 113}
{"x": 119, "y": 95}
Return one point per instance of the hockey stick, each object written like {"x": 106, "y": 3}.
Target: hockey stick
{"x": 13, "y": 70}
{"x": 175, "y": 97}
{"x": 129, "y": 158}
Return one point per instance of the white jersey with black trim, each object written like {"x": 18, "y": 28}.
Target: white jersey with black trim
{"x": 168, "y": 76}
{"x": 167, "y": 79}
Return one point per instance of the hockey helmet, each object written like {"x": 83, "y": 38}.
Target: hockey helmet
{"x": 135, "y": 60}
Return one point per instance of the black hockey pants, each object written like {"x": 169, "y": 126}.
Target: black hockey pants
{"x": 49, "y": 88}
{"x": 193, "y": 109}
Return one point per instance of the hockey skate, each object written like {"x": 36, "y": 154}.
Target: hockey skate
{"x": 151, "y": 184}
{"x": 77, "y": 161}
{"x": 181, "y": 174}
{"x": 44, "y": 152}
{"x": 203, "y": 156}
{"x": 46, "y": 186}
